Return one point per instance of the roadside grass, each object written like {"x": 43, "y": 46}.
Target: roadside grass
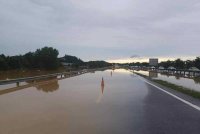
{"x": 182, "y": 89}
{"x": 141, "y": 75}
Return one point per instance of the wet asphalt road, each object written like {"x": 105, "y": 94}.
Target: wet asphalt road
{"x": 125, "y": 105}
{"x": 152, "y": 111}
{"x": 166, "y": 115}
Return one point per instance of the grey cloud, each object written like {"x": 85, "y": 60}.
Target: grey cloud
{"x": 89, "y": 27}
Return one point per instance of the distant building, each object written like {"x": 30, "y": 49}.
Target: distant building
{"x": 153, "y": 62}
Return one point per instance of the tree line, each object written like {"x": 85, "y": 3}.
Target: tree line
{"x": 44, "y": 58}
{"x": 70, "y": 59}
{"x": 178, "y": 63}
{"x": 181, "y": 64}
{"x": 97, "y": 64}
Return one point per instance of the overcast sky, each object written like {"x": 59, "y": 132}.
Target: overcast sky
{"x": 102, "y": 29}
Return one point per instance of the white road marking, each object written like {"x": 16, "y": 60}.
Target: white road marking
{"x": 178, "y": 98}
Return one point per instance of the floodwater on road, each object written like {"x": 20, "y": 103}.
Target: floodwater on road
{"x": 192, "y": 83}
{"x": 104, "y": 102}
{"x": 85, "y": 104}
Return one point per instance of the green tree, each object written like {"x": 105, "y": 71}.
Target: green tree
{"x": 189, "y": 64}
{"x": 47, "y": 58}
{"x": 179, "y": 64}
{"x": 144, "y": 64}
{"x": 3, "y": 62}
{"x": 166, "y": 64}
{"x": 15, "y": 62}
{"x": 98, "y": 64}
{"x": 71, "y": 59}
{"x": 29, "y": 60}
{"x": 197, "y": 62}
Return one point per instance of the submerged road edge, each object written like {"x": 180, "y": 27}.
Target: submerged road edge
{"x": 176, "y": 97}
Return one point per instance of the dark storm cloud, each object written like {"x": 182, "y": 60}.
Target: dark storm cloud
{"x": 106, "y": 29}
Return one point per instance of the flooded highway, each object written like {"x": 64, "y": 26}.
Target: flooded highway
{"x": 191, "y": 83}
{"x": 104, "y": 102}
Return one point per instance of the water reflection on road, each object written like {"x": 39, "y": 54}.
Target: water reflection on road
{"x": 45, "y": 85}
{"x": 83, "y": 104}
{"x": 192, "y": 83}
{"x": 48, "y": 86}
{"x": 102, "y": 90}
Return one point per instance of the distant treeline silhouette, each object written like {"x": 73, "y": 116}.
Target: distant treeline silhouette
{"x": 44, "y": 58}
{"x": 97, "y": 64}
{"x": 178, "y": 63}
{"x": 70, "y": 59}
{"x": 77, "y": 62}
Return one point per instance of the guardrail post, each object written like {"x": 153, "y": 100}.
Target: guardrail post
{"x": 17, "y": 84}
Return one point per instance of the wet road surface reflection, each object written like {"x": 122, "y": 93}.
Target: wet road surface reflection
{"x": 192, "y": 83}
{"x": 92, "y": 103}
{"x": 102, "y": 90}
{"x": 45, "y": 85}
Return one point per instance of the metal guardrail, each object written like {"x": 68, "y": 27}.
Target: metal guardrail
{"x": 10, "y": 81}
{"x": 3, "y": 82}
{"x": 174, "y": 70}
{"x": 183, "y": 70}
